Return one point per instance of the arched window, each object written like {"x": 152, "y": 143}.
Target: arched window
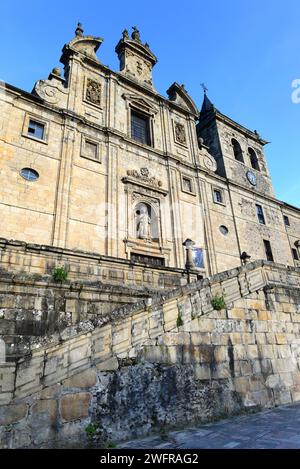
{"x": 253, "y": 159}
{"x": 237, "y": 151}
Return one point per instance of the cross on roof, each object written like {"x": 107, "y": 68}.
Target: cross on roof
{"x": 205, "y": 89}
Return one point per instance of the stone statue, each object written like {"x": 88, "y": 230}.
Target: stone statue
{"x": 125, "y": 34}
{"x": 143, "y": 223}
{"x": 135, "y": 34}
{"x": 79, "y": 30}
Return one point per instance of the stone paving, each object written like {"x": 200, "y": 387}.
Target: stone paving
{"x": 277, "y": 428}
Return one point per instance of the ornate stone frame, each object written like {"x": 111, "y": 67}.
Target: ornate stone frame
{"x": 177, "y": 122}
{"x": 142, "y": 106}
{"x": 138, "y": 192}
{"x": 90, "y": 103}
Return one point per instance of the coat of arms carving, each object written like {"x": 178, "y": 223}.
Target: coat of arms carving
{"x": 93, "y": 92}
{"x": 179, "y": 131}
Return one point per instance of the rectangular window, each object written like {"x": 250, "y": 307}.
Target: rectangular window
{"x": 36, "y": 129}
{"x": 260, "y": 214}
{"x": 295, "y": 254}
{"x": 140, "y": 128}
{"x": 268, "y": 250}
{"x": 150, "y": 260}
{"x": 187, "y": 185}
{"x": 218, "y": 196}
{"x": 91, "y": 150}
{"x": 286, "y": 220}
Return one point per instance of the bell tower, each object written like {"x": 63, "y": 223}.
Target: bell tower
{"x": 237, "y": 150}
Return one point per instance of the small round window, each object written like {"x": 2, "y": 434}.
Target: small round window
{"x": 29, "y": 174}
{"x": 224, "y": 229}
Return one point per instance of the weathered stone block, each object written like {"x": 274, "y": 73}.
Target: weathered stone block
{"x": 236, "y": 313}
{"x": 264, "y": 315}
{"x": 75, "y": 406}
{"x": 170, "y": 314}
{"x": 43, "y": 413}
{"x": 206, "y": 325}
{"x": 86, "y": 379}
{"x": 252, "y": 351}
{"x": 244, "y": 368}
{"x": 286, "y": 379}
{"x": 240, "y": 352}
{"x": 221, "y": 354}
{"x": 241, "y": 385}
{"x": 266, "y": 351}
{"x": 236, "y": 338}
{"x": 202, "y": 372}
{"x": 270, "y": 338}
{"x": 198, "y": 338}
{"x": 12, "y": 413}
{"x": 221, "y": 371}
{"x": 111, "y": 364}
{"x": 175, "y": 338}
{"x": 280, "y": 338}
{"x": 50, "y": 392}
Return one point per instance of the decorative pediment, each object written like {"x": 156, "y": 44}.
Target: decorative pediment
{"x": 140, "y": 103}
{"x": 86, "y": 45}
{"x": 142, "y": 178}
{"x": 179, "y": 95}
{"x": 53, "y": 90}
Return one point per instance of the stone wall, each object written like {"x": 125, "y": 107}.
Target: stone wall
{"x": 17, "y": 256}
{"x": 173, "y": 362}
{"x": 35, "y": 310}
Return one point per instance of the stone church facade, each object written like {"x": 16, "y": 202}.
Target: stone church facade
{"x": 97, "y": 160}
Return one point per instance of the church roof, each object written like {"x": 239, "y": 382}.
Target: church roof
{"x": 208, "y": 111}
{"x": 207, "y": 105}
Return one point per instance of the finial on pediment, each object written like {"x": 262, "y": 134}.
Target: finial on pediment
{"x": 56, "y": 71}
{"x": 125, "y": 34}
{"x": 136, "y": 34}
{"x": 79, "y": 30}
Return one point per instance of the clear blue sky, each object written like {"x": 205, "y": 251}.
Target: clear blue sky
{"x": 246, "y": 51}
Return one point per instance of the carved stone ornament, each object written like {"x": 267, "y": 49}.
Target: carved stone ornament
{"x": 180, "y": 136}
{"x": 52, "y": 90}
{"x": 210, "y": 163}
{"x": 143, "y": 175}
{"x": 145, "y": 172}
{"x": 136, "y": 196}
{"x": 93, "y": 92}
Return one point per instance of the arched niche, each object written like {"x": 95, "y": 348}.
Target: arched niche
{"x": 146, "y": 221}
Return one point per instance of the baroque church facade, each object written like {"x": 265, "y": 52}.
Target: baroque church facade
{"x": 98, "y": 161}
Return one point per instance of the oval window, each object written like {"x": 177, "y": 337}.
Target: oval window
{"x": 224, "y": 229}
{"x": 29, "y": 174}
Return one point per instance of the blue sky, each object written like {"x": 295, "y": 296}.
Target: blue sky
{"x": 246, "y": 51}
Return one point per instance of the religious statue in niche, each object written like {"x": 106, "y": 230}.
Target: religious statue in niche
{"x": 143, "y": 225}
{"x": 93, "y": 92}
{"x": 180, "y": 133}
